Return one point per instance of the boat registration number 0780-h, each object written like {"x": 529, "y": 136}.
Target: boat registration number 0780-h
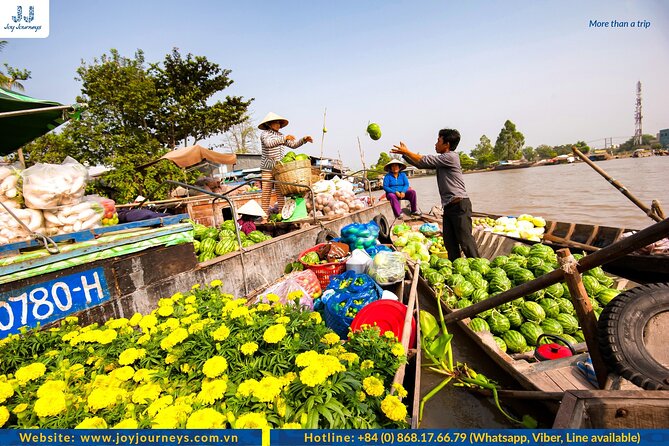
{"x": 49, "y": 301}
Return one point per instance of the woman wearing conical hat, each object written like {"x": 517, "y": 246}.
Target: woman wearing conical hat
{"x": 396, "y": 186}
{"x": 273, "y": 144}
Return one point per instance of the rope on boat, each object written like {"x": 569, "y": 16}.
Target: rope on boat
{"x": 570, "y": 265}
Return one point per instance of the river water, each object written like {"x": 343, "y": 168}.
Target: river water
{"x": 567, "y": 192}
{"x": 571, "y": 193}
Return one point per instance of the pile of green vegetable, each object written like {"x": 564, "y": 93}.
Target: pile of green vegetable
{"x": 292, "y": 156}
{"x": 213, "y": 242}
{"x": 517, "y": 325}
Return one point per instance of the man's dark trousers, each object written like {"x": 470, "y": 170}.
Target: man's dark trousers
{"x": 457, "y": 229}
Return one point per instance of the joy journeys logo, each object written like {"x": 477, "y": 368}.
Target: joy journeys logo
{"x": 24, "y": 19}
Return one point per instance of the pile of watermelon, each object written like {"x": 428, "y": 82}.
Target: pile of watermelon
{"x": 517, "y": 325}
{"x": 213, "y": 242}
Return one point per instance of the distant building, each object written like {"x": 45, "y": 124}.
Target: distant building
{"x": 664, "y": 138}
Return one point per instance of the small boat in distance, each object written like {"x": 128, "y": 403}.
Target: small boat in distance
{"x": 600, "y": 155}
{"x": 511, "y": 164}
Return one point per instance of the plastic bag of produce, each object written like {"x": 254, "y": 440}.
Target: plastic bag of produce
{"x": 48, "y": 186}
{"x": 288, "y": 291}
{"x": 388, "y": 267}
{"x": 10, "y": 188}
{"x": 347, "y": 294}
{"x": 79, "y": 217}
{"x": 359, "y": 261}
{"x": 13, "y": 231}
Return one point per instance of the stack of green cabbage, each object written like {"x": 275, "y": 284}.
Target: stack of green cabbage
{"x": 414, "y": 243}
{"x": 517, "y": 325}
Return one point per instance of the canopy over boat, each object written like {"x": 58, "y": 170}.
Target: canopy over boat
{"x": 23, "y": 118}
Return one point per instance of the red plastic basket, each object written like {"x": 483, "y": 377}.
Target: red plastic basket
{"x": 323, "y": 270}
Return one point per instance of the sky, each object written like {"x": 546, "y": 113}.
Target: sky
{"x": 413, "y": 67}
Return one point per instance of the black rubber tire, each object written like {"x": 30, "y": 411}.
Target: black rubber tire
{"x": 325, "y": 236}
{"x": 384, "y": 228}
{"x": 621, "y": 335}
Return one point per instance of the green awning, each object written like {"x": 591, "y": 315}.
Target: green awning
{"x": 23, "y": 119}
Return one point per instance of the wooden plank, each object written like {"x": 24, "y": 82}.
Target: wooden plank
{"x": 564, "y": 417}
{"x": 34, "y": 263}
{"x": 595, "y": 231}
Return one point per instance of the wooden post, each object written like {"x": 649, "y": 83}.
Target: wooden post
{"x": 584, "y": 312}
{"x": 406, "y": 330}
{"x": 618, "y": 185}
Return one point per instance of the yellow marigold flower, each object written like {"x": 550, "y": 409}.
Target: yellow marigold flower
{"x": 170, "y": 359}
{"x": 20, "y": 408}
{"x": 107, "y": 336}
{"x": 288, "y": 378}
{"x": 214, "y": 366}
{"x": 101, "y": 398}
{"x": 130, "y": 355}
{"x": 331, "y": 364}
{"x": 221, "y": 333}
{"x": 330, "y": 339}
{"x": 291, "y": 426}
{"x": 195, "y": 287}
{"x": 295, "y": 295}
{"x": 190, "y": 309}
{"x": 263, "y": 307}
{"x": 212, "y": 390}
{"x": 144, "y": 339}
{"x": 92, "y": 423}
{"x": 389, "y": 334}
{"x": 51, "y": 353}
{"x": 71, "y": 320}
{"x": 306, "y": 358}
{"x": 313, "y": 375}
{"x": 123, "y": 374}
{"x": 174, "y": 338}
{"x": 76, "y": 371}
{"x": 393, "y": 408}
{"x": 245, "y": 388}
{"x": 190, "y": 299}
{"x": 50, "y": 387}
{"x": 4, "y": 415}
{"x": 251, "y": 421}
{"x": 50, "y": 405}
{"x": 373, "y": 386}
{"x": 135, "y": 319}
{"x": 145, "y": 393}
{"x": 272, "y": 297}
{"x": 206, "y": 419}
{"x": 159, "y": 405}
{"x": 165, "y": 310}
{"x": 30, "y": 372}
{"x": 215, "y": 283}
{"x": 177, "y": 297}
{"x": 282, "y": 320}
{"x": 400, "y": 390}
{"x": 397, "y": 349}
{"x": 117, "y": 323}
{"x": 367, "y": 364}
{"x": 268, "y": 388}
{"x": 349, "y": 357}
{"x": 143, "y": 375}
{"x": 128, "y": 423}
{"x": 274, "y": 334}
{"x": 170, "y": 324}
{"x": 148, "y": 321}
{"x": 185, "y": 368}
{"x": 239, "y": 312}
{"x": 361, "y": 396}
{"x": 248, "y": 348}
{"x": 171, "y": 417}
{"x": 196, "y": 327}
{"x": 316, "y": 316}
{"x": 6, "y": 391}
{"x": 69, "y": 336}
{"x": 189, "y": 319}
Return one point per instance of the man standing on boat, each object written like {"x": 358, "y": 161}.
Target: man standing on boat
{"x": 457, "y": 221}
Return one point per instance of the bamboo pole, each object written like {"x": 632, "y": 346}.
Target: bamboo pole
{"x": 612, "y": 252}
{"x": 406, "y": 330}
{"x": 584, "y": 312}
{"x": 618, "y": 185}
{"x": 323, "y": 137}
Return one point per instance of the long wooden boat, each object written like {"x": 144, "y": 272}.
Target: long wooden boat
{"x": 586, "y": 238}
{"x": 549, "y": 377}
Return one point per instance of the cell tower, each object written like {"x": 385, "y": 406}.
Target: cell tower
{"x": 637, "y": 116}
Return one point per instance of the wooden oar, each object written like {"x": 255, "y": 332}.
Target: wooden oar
{"x": 655, "y": 213}
{"x": 406, "y": 331}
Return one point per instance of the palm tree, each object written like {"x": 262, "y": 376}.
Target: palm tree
{"x": 4, "y": 80}
{"x": 11, "y": 79}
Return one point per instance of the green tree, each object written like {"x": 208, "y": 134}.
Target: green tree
{"x": 121, "y": 129}
{"x": 483, "y": 152}
{"x": 184, "y": 88}
{"x": 466, "y": 162}
{"x": 529, "y": 154}
{"x": 509, "y": 142}
{"x": 12, "y": 78}
{"x": 545, "y": 152}
{"x": 582, "y": 146}
{"x": 376, "y": 170}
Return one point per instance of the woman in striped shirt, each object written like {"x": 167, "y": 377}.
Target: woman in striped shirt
{"x": 273, "y": 144}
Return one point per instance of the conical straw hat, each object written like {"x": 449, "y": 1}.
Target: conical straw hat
{"x": 252, "y": 208}
{"x": 271, "y": 116}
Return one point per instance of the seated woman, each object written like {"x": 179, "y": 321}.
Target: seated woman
{"x": 396, "y": 185}
{"x": 248, "y": 215}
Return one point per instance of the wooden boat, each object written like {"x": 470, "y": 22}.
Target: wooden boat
{"x": 511, "y": 164}
{"x": 600, "y": 155}
{"x": 622, "y": 409}
{"x": 586, "y": 238}
{"x": 551, "y": 378}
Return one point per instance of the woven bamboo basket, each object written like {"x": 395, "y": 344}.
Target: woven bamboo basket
{"x": 316, "y": 175}
{"x": 298, "y": 172}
